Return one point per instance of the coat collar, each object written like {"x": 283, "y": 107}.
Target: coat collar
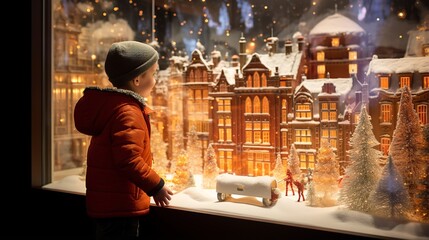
{"x": 139, "y": 98}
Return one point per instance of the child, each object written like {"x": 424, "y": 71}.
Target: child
{"x": 119, "y": 178}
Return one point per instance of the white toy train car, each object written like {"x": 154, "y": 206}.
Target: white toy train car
{"x": 259, "y": 186}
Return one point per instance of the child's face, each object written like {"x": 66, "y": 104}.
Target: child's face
{"x": 147, "y": 81}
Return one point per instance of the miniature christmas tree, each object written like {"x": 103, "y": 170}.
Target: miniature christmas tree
{"x": 211, "y": 170}
{"x": 159, "y": 153}
{"x": 390, "y": 198}
{"x": 279, "y": 172}
{"x": 293, "y": 162}
{"x": 177, "y": 141}
{"x": 407, "y": 150}
{"x": 194, "y": 151}
{"x": 182, "y": 177}
{"x": 325, "y": 176}
{"x": 424, "y": 210}
{"x": 364, "y": 170}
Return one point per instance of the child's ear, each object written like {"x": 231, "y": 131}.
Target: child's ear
{"x": 136, "y": 81}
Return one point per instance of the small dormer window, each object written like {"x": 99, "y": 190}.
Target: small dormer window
{"x": 425, "y": 50}
{"x": 404, "y": 81}
{"x": 335, "y": 42}
{"x": 384, "y": 82}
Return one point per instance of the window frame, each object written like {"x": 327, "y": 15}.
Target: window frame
{"x": 41, "y": 87}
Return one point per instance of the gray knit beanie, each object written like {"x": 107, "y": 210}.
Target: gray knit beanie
{"x": 128, "y": 59}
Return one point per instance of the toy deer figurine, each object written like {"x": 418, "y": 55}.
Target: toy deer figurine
{"x": 300, "y": 185}
{"x": 289, "y": 180}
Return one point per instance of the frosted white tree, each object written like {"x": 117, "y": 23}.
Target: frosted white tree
{"x": 325, "y": 176}
{"x": 194, "y": 151}
{"x": 390, "y": 198}
{"x": 363, "y": 173}
{"x": 407, "y": 150}
{"x": 178, "y": 145}
{"x": 279, "y": 172}
{"x": 293, "y": 162}
{"x": 159, "y": 153}
{"x": 310, "y": 198}
{"x": 211, "y": 170}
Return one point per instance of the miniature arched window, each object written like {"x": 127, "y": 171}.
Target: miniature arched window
{"x": 191, "y": 76}
{"x": 249, "y": 81}
{"x": 256, "y": 80}
{"x": 256, "y": 105}
{"x": 248, "y": 105}
{"x": 264, "y": 80}
{"x": 265, "y": 105}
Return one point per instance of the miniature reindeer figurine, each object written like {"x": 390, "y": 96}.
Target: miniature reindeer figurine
{"x": 300, "y": 185}
{"x": 289, "y": 180}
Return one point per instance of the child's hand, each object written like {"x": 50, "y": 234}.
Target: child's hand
{"x": 163, "y": 197}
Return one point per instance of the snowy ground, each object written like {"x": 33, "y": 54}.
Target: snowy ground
{"x": 285, "y": 211}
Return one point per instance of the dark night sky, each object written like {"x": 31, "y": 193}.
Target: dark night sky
{"x": 181, "y": 23}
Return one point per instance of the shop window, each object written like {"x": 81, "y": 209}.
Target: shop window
{"x": 73, "y": 58}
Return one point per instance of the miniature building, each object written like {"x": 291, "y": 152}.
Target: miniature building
{"x": 258, "y": 107}
{"x": 74, "y": 69}
{"x": 338, "y": 46}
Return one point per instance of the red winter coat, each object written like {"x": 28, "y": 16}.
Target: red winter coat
{"x": 119, "y": 177}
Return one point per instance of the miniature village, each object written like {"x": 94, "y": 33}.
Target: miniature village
{"x": 264, "y": 114}
{"x": 316, "y": 112}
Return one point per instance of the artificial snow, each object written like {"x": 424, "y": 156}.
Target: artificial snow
{"x": 286, "y": 211}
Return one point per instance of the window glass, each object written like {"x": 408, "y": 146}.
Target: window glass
{"x": 252, "y": 121}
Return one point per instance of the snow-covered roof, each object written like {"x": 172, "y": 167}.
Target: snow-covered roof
{"x": 342, "y": 85}
{"x": 342, "y": 88}
{"x": 335, "y": 24}
{"x": 287, "y": 64}
{"x": 230, "y": 74}
{"x": 399, "y": 65}
{"x": 200, "y": 55}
